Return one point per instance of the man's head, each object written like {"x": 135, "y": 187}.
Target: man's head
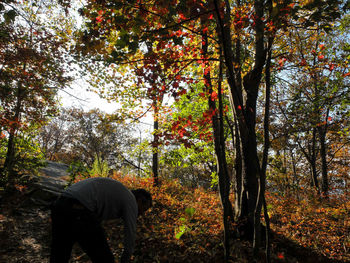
{"x": 143, "y": 199}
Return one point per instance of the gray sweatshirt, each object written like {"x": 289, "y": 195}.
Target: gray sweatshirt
{"x": 108, "y": 199}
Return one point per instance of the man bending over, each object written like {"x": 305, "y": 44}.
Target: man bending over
{"x": 77, "y": 214}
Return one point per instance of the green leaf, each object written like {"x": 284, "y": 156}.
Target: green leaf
{"x": 190, "y": 211}
{"x": 181, "y": 230}
{"x": 10, "y": 16}
{"x": 120, "y": 43}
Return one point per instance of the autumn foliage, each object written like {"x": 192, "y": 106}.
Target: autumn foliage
{"x": 252, "y": 94}
{"x": 322, "y": 226}
{"x": 306, "y": 224}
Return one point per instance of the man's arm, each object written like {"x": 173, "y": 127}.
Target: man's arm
{"x": 130, "y": 218}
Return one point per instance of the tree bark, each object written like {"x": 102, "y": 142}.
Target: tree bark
{"x": 322, "y": 131}
{"x": 314, "y": 180}
{"x": 156, "y": 102}
{"x": 155, "y": 143}
{"x": 238, "y": 172}
{"x": 244, "y": 108}
{"x": 8, "y": 169}
{"x": 262, "y": 178}
{"x": 220, "y": 150}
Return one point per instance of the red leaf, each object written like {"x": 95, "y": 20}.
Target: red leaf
{"x": 181, "y": 132}
{"x": 99, "y": 19}
{"x": 206, "y": 71}
{"x": 214, "y": 95}
{"x": 178, "y": 33}
{"x": 281, "y": 62}
{"x": 182, "y": 16}
{"x": 280, "y": 255}
{"x": 303, "y": 62}
{"x": 320, "y": 57}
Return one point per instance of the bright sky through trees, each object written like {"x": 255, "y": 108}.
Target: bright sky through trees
{"x": 78, "y": 96}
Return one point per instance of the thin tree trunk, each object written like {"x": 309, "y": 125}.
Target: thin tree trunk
{"x": 294, "y": 168}
{"x": 10, "y": 154}
{"x": 323, "y": 152}
{"x": 225, "y": 178}
{"x": 262, "y": 178}
{"x": 155, "y": 158}
{"x": 238, "y": 172}
{"x": 237, "y": 169}
{"x": 220, "y": 151}
{"x": 314, "y": 180}
{"x": 157, "y": 101}
{"x": 322, "y": 131}
{"x": 245, "y": 109}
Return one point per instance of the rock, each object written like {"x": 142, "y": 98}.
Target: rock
{"x": 49, "y": 184}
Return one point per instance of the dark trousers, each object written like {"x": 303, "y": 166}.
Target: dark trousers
{"x": 72, "y": 222}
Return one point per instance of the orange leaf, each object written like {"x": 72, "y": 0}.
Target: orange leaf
{"x": 280, "y": 255}
{"x": 99, "y": 19}
{"x": 320, "y": 57}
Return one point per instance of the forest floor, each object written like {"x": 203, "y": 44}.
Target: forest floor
{"x": 183, "y": 226}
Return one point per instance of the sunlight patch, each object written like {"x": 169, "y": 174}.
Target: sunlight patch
{"x": 31, "y": 242}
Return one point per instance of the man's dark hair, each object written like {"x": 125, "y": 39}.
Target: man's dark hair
{"x": 142, "y": 194}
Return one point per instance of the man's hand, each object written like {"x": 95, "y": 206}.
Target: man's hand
{"x": 125, "y": 258}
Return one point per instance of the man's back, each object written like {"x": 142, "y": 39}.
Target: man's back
{"x": 105, "y": 197}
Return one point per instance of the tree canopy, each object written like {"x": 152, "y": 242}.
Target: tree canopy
{"x": 249, "y": 98}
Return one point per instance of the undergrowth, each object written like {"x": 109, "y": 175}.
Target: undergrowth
{"x": 184, "y": 225}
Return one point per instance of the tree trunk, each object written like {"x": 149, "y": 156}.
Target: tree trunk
{"x": 322, "y": 131}
{"x": 324, "y": 163}
{"x": 262, "y": 176}
{"x": 238, "y": 172}
{"x": 156, "y": 103}
{"x": 314, "y": 180}
{"x": 244, "y": 107}
{"x": 220, "y": 150}
{"x": 10, "y": 155}
{"x": 249, "y": 193}
{"x": 155, "y": 158}
{"x": 8, "y": 169}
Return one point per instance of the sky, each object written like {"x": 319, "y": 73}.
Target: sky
{"x": 77, "y": 96}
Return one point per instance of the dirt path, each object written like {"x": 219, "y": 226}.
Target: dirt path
{"x": 25, "y": 228}
{"x": 25, "y": 218}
